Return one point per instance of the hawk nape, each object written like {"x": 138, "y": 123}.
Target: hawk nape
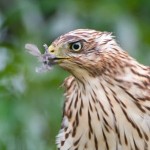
{"x": 107, "y": 104}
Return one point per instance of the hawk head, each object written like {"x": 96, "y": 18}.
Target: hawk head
{"x": 84, "y": 51}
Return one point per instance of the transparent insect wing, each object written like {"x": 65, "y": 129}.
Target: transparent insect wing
{"x": 33, "y": 50}
{"x": 43, "y": 68}
{"x": 44, "y": 58}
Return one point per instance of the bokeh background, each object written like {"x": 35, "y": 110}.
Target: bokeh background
{"x": 31, "y": 103}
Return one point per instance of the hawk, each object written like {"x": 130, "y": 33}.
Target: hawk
{"x": 107, "y": 96}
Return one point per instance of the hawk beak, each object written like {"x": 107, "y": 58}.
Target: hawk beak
{"x": 51, "y": 56}
{"x": 51, "y": 50}
{"x": 57, "y": 52}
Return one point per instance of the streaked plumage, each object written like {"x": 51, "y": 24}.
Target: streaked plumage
{"x": 107, "y": 105}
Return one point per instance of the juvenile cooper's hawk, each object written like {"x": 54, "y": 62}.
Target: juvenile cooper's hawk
{"x": 107, "y": 104}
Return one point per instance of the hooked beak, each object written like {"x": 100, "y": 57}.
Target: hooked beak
{"x": 51, "y": 56}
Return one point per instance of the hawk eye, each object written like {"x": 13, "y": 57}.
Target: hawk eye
{"x": 77, "y": 46}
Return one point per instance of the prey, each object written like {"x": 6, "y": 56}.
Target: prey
{"x": 44, "y": 58}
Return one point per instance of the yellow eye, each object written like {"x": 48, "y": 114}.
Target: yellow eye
{"x": 76, "y": 46}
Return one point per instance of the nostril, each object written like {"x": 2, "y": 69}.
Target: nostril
{"x": 52, "y": 51}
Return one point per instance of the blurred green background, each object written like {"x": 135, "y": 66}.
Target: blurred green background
{"x": 31, "y": 103}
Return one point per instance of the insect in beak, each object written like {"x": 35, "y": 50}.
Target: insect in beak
{"x": 47, "y": 59}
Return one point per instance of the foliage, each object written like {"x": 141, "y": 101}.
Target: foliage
{"x": 31, "y": 103}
